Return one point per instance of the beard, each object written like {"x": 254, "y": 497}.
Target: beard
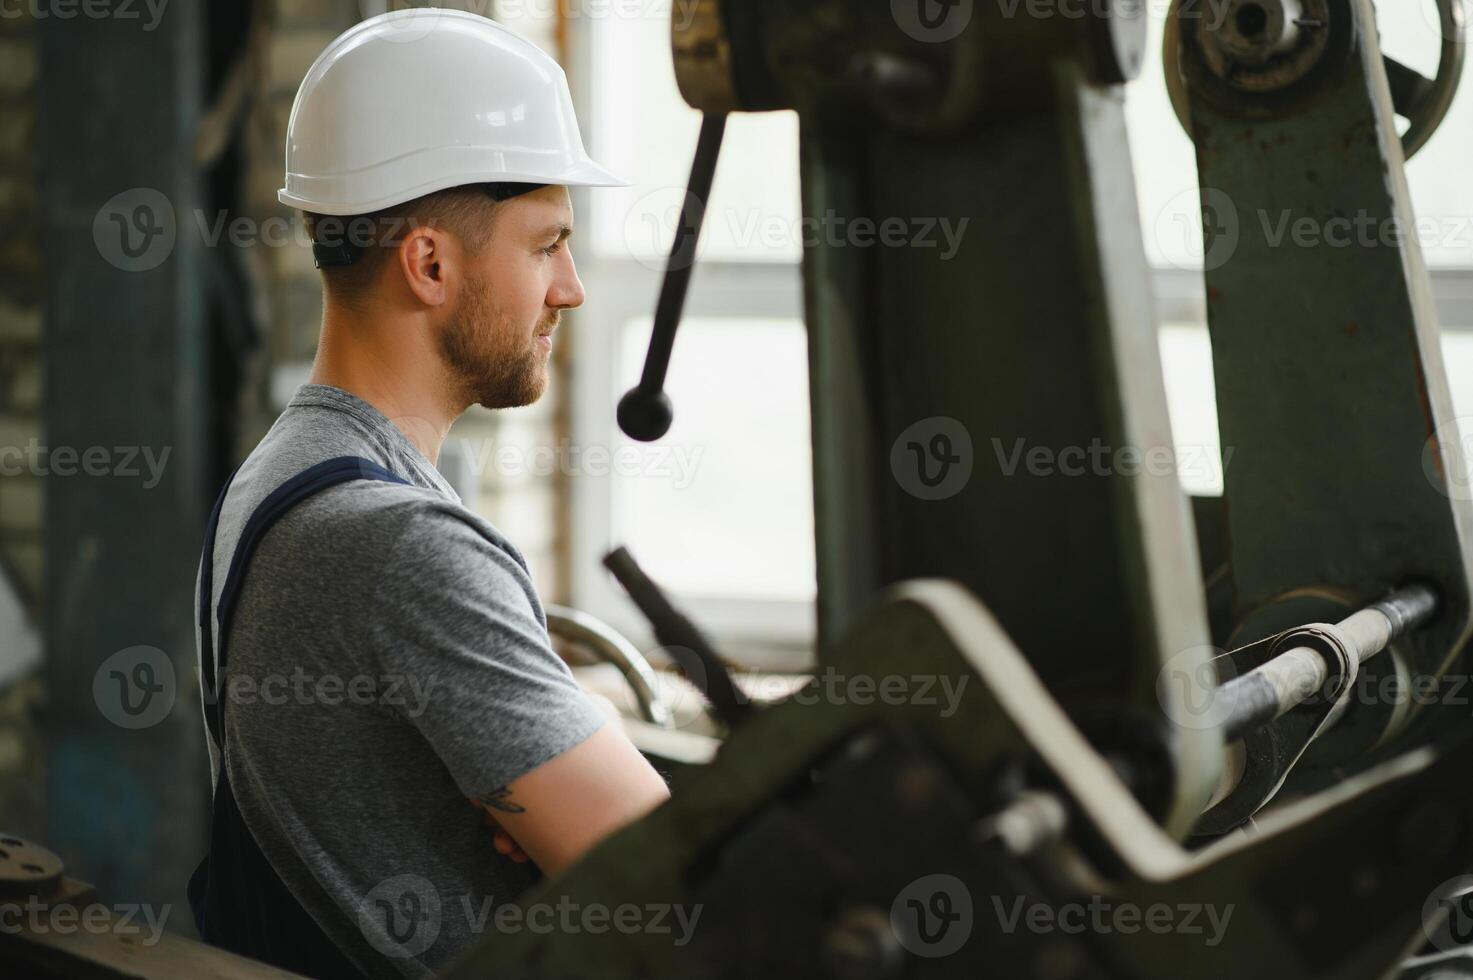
{"x": 492, "y": 362}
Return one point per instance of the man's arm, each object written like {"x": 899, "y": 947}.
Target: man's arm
{"x": 494, "y": 701}
{"x": 561, "y": 809}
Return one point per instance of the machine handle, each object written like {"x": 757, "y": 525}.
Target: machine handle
{"x": 682, "y": 640}
{"x": 645, "y": 411}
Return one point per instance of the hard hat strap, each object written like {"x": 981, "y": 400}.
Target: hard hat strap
{"x": 337, "y": 254}
{"x": 506, "y": 190}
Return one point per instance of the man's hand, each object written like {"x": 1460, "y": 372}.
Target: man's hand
{"x": 561, "y": 809}
{"x": 501, "y": 839}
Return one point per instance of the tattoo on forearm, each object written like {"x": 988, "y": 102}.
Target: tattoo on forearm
{"x": 501, "y": 800}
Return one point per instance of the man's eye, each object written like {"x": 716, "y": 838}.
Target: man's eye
{"x": 553, "y": 249}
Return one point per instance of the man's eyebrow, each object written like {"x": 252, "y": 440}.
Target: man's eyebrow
{"x": 561, "y": 230}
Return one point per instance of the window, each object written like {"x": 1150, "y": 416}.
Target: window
{"x": 719, "y": 511}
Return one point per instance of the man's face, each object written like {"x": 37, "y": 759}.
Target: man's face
{"x": 498, "y": 340}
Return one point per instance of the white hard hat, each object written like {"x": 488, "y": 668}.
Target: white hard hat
{"x": 420, "y": 100}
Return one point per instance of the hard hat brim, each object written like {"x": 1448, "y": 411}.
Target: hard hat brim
{"x": 583, "y": 174}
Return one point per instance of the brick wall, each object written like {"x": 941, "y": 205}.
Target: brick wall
{"x": 20, "y": 306}
{"x": 20, "y": 410}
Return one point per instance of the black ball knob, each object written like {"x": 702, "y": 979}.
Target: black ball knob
{"x": 645, "y": 415}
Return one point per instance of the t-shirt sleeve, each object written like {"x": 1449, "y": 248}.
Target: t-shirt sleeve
{"x": 453, "y": 617}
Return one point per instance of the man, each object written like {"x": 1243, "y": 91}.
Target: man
{"x": 399, "y": 735}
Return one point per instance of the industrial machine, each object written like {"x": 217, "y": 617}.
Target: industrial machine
{"x": 1188, "y": 738}
{"x": 1107, "y": 753}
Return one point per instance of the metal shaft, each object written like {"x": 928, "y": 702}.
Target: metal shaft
{"x": 1270, "y": 690}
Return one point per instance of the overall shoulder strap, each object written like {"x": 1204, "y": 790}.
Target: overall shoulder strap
{"x": 202, "y": 605}
{"x": 310, "y": 481}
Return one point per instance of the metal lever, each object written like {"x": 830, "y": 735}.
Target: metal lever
{"x": 681, "y": 639}
{"x": 645, "y": 411}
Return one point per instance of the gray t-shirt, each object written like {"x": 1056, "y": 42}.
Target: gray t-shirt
{"x": 389, "y": 658}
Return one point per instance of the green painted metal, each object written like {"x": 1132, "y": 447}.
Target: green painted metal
{"x": 1332, "y": 395}
{"x": 1035, "y": 335}
{"x": 783, "y": 784}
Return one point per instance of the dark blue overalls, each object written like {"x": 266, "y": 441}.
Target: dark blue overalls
{"x": 239, "y": 902}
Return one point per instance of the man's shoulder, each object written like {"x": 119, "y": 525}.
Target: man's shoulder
{"x": 367, "y": 501}
{"x": 361, "y": 522}
{"x": 422, "y": 530}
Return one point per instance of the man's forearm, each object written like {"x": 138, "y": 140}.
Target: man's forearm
{"x": 557, "y": 812}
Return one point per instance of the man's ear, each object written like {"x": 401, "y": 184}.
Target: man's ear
{"x": 424, "y": 257}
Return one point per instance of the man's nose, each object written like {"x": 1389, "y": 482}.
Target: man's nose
{"x": 567, "y": 290}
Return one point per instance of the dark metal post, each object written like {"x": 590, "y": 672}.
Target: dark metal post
{"x": 124, "y": 497}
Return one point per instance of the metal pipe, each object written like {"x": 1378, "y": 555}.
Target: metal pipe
{"x": 1273, "y": 688}
{"x": 610, "y": 646}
